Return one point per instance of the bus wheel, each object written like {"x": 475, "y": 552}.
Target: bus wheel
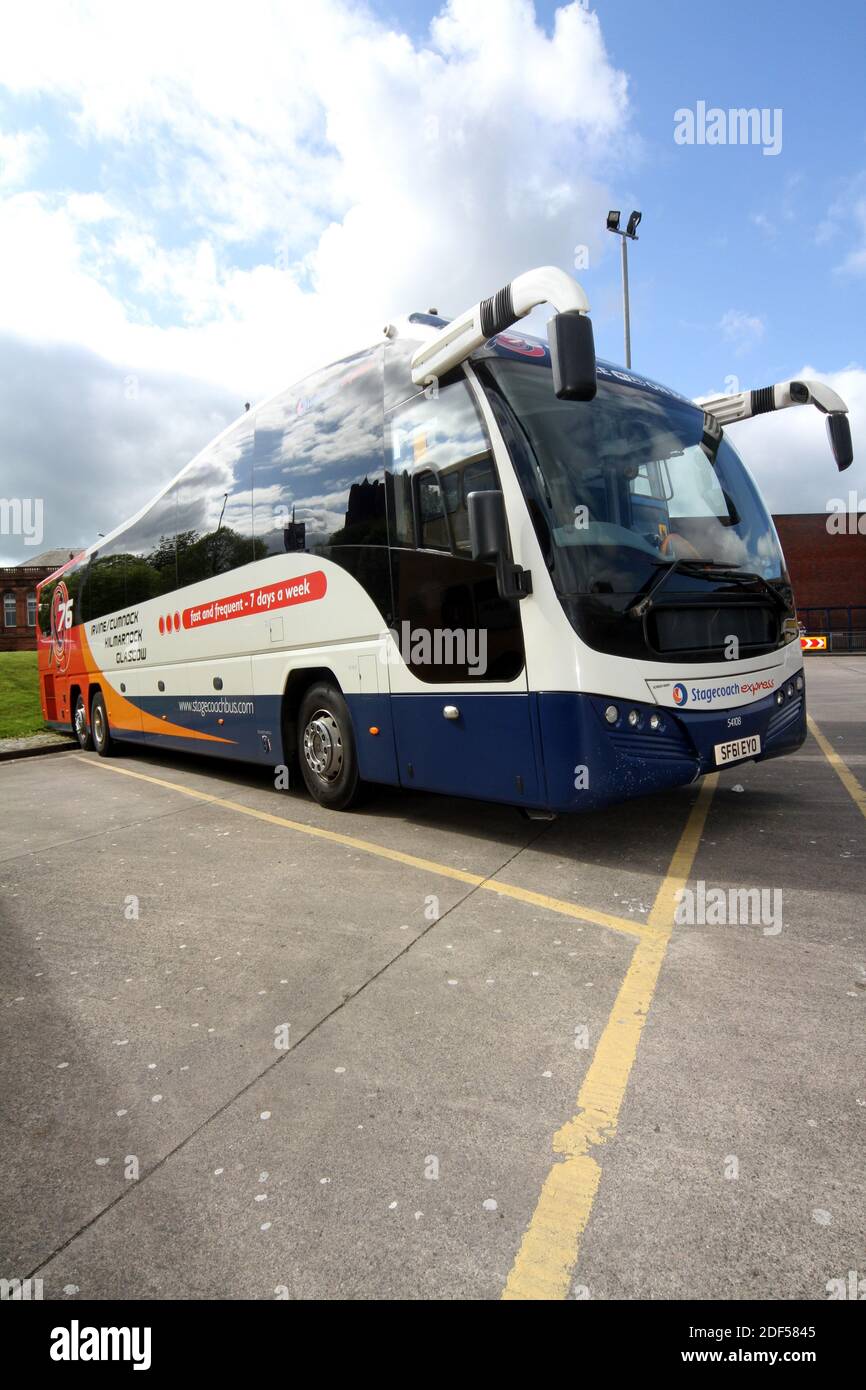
{"x": 99, "y": 724}
{"x": 326, "y": 749}
{"x": 79, "y": 724}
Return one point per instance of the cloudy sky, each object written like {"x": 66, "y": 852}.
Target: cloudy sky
{"x": 199, "y": 202}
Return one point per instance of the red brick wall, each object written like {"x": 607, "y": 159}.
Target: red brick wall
{"x": 827, "y": 571}
{"x": 19, "y": 582}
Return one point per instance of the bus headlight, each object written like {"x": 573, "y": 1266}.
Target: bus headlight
{"x": 633, "y": 718}
{"x": 799, "y": 682}
{"x": 611, "y": 714}
{"x": 655, "y": 721}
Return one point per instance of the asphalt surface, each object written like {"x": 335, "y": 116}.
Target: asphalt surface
{"x": 164, "y": 934}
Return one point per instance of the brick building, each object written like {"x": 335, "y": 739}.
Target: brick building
{"x": 828, "y": 570}
{"x": 18, "y": 596}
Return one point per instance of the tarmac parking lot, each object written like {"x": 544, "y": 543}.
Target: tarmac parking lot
{"x": 428, "y": 1049}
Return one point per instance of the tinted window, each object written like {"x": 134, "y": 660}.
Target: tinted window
{"x": 440, "y": 453}
{"x": 151, "y": 566}
{"x": 318, "y": 461}
{"x": 103, "y": 586}
{"x": 214, "y": 498}
{"x": 630, "y": 482}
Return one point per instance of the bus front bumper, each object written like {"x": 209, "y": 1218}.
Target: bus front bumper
{"x": 590, "y": 761}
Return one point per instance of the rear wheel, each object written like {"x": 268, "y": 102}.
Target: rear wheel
{"x": 99, "y": 726}
{"x": 80, "y": 725}
{"x": 326, "y": 749}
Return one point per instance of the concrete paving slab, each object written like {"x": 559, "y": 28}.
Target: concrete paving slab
{"x": 153, "y": 943}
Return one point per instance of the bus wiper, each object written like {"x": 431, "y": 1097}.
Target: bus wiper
{"x": 643, "y": 605}
{"x": 741, "y": 577}
{"x": 706, "y": 569}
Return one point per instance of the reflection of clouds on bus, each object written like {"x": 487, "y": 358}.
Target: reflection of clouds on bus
{"x": 216, "y": 488}
{"x": 276, "y": 506}
{"x": 422, "y": 436}
{"x": 318, "y": 446}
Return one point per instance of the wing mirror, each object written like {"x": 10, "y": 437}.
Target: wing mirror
{"x": 839, "y": 434}
{"x": 572, "y": 355}
{"x": 488, "y": 537}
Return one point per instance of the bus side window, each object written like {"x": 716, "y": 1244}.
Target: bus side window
{"x": 318, "y": 472}
{"x": 439, "y": 454}
{"x": 215, "y": 508}
{"x": 151, "y": 558}
{"x": 103, "y": 583}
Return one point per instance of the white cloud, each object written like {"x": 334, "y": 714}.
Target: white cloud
{"x": 270, "y": 185}
{"x": 741, "y": 329}
{"x": 20, "y": 152}
{"x": 847, "y": 216}
{"x": 365, "y": 173}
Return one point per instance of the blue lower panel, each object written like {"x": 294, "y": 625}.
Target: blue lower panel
{"x": 553, "y": 750}
{"x": 589, "y": 762}
{"x": 377, "y": 758}
{"x": 251, "y": 729}
{"x": 249, "y": 732}
{"x": 488, "y": 751}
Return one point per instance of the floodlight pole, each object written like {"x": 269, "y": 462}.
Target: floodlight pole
{"x": 625, "y": 308}
{"x": 629, "y": 234}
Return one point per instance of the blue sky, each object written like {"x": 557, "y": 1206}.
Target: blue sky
{"x": 194, "y": 214}
{"x": 727, "y": 227}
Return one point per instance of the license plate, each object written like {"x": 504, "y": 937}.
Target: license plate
{"x": 736, "y": 749}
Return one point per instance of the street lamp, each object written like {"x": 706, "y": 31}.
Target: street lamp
{"x": 630, "y": 234}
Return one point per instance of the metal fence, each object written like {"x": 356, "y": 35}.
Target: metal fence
{"x": 844, "y": 628}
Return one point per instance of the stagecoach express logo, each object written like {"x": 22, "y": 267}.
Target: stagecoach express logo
{"x": 713, "y": 693}
{"x": 61, "y": 622}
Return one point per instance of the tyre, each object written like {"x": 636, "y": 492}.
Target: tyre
{"x": 326, "y": 749}
{"x": 99, "y": 726}
{"x": 80, "y": 726}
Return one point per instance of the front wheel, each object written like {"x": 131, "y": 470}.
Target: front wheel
{"x": 326, "y": 749}
{"x": 81, "y": 726}
{"x": 99, "y": 725}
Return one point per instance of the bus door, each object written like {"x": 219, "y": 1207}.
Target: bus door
{"x": 457, "y": 672}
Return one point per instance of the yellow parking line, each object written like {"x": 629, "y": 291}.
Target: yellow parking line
{"x": 841, "y": 768}
{"x": 547, "y": 1256}
{"x": 430, "y": 866}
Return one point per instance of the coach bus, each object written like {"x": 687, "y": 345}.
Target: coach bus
{"x": 461, "y": 560}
